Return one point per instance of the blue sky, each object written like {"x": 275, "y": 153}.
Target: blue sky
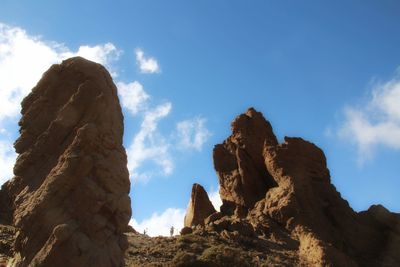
{"x": 325, "y": 71}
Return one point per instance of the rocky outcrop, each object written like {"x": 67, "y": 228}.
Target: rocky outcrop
{"x": 306, "y": 203}
{"x": 284, "y": 191}
{"x": 239, "y": 162}
{"x": 69, "y": 197}
{"x": 199, "y": 207}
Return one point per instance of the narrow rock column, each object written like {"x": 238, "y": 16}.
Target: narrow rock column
{"x": 239, "y": 163}
{"x": 70, "y": 192}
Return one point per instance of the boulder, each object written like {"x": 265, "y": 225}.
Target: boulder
{"x": 186, "y": 230}
{"x": 70, "y": 194}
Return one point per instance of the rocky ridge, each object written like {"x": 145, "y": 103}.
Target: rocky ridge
{"x": 283, "y": 192}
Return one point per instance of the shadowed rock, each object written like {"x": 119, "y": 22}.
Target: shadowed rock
{"x": 239, "y": 163}
{"x": 286, "y": 188}
{"x": 69, "y": 197}
{"x": 199, "y": 208}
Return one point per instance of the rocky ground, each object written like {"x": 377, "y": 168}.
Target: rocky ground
{"x": 208, "y": 249}
{"x": 196, "y": 249}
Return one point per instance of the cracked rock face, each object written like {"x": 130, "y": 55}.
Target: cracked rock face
{"x": 239, "y": 162}
{"x": 69, "y": 197}
{"x": 286, "y": 189}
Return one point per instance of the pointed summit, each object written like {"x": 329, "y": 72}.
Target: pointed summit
{"x": 199, "y": 208}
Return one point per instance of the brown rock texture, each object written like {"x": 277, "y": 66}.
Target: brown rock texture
{"x": 69, "y": 197}
{"x": 199, "y": 207}
{"x": 284, "y": 191}
{"x": 239, "y": 163}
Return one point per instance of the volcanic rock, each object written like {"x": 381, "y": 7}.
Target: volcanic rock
{"x": 286, "y": 189}
{"x": 199, "y": 208}
{"x": 69, "y": 197}
{"x": 239, "y": 162}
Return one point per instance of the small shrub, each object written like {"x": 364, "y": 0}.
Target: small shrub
{"x": 224, "y": 256}
{"x": 184, "y": 259}
{"x": 191, "y": 238}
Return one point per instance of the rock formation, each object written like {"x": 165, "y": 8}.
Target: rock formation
{"x": 239, "y": 163}
{"x": 283, "y": 193}
{"x": 69, "y": 197}
{"x": 69, "y": 200}
{"x": 199, "y": 208}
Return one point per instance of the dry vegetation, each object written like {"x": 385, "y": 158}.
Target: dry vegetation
{"x": 206, "y": 249}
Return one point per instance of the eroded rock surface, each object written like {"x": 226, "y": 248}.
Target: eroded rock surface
{"x": 283, "y": 193}
{"x": 239, "y": 162}
{"x": 69, "y": 197}
{"x": 199, "y": 208}
{"x": 70, "y": 206}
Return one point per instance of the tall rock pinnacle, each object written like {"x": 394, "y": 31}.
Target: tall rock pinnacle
{"x": 199, "y": 208}
{"x": 239, "y": 162}
{"x": 69, "y": 197}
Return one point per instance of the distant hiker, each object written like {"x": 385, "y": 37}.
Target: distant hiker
{"x": 144, "y": 232}
{"x": 171, "y": 231}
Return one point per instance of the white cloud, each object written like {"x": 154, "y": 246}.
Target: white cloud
{"x": 377, "y": 122}
{"x": 146, "y": 64}
{"x": 7, "y": 159}
{"x": 160, "y": 224}
{"x": 133, "y": 96}
{"x": 24, "y": 58}
{"x": 149, "y": 145}
{"x": 104, "y": 54}
{"x": 192, "y": 133}
{"x": 215, "y": 199}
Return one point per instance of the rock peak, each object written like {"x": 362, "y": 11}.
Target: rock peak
{"x": 287, "y": 187}
{"x": 69, "y": 197}
{"x": 199, "y": 207}
{"x": 239, "y": 162}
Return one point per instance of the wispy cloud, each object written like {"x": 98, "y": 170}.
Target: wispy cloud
{"x": 160, "y": 224}
{"x": 192, "y": 133}
{"x": 105, "y": 54}
{"x": 133, "y": 96}
{"x": 149, "y": 145}
{"x": 24, "y": 58}
{"x": 146, "y": 64}
{"x": 377, "y": 122}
